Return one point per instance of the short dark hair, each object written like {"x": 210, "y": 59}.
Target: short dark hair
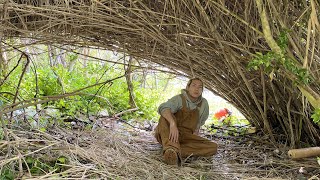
{"x": 195, "y": 78}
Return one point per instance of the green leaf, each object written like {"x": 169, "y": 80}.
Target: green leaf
{"x": 62, "y": 160}
{"x": 29, "y": 160}
{"x": 316, "y": 116}
{"x": 6, "y": 174}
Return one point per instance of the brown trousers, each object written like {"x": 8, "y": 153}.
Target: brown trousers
{"x": 189, "y": 143}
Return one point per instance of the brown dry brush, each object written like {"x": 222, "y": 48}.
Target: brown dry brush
{"x": 213, "y": 39}
{"x": 98, "y": 154}
{"x": 111, "y": 154}
{"x": 108, "y": 153}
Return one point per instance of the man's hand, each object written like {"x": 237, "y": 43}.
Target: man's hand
{"x": 174, "y": 133}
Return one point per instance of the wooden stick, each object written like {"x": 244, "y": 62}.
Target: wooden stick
{"x": 304, "y": 152}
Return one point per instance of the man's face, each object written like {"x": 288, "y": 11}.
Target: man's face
{"x": 195, "y": 88}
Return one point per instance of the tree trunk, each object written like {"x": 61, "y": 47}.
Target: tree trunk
{"x": 167, "y": 84}
{"x": 132, "y": 102}
{"x": 52, "y": 64}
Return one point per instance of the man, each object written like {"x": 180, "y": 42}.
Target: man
{"x": 179, "y": 124}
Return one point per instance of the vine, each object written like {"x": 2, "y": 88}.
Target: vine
{"x": 273, "y": 62}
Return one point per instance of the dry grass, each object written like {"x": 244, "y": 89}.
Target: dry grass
{"x": 117, "y": 154}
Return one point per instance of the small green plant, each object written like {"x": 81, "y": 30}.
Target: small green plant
{"x": 6, "y": 173}
{"x": 231, "y": 125}
{"x": 1, "y": 134}
{"x": 316, "y": 116}
{"x": 39, "y": 166}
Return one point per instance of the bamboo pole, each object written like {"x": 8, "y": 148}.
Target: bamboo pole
{"x": 304, "y": 152}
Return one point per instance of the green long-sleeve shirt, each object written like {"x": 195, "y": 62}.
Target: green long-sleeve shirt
{"x": 175, "y": 104}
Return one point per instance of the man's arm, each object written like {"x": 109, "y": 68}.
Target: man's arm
{"x": 166, "y": 113}
{"x": 174, "y": 132}
{"x": 204, "y": 114}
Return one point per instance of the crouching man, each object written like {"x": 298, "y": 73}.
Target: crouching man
{"x": 179, "y": 124}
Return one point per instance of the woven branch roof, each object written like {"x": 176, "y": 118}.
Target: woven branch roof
{"x": 212, "y": 39}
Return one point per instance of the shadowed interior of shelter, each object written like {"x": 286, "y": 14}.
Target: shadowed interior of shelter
{"x": 214, "y": 40}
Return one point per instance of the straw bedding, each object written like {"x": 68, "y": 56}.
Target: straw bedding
{"x": 106, "y": 153}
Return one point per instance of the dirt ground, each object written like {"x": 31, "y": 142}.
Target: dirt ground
{"x": 246, "y": 157}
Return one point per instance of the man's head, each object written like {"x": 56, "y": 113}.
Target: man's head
{"x": 195, "y": 87}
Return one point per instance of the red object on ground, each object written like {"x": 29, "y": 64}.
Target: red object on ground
{"x": 221, "y": 113}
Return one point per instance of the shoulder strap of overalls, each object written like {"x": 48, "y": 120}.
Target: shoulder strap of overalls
{"x": 184, "y": 103}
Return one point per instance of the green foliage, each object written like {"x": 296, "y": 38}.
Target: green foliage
{"x": 263, "y": 60}
{"x": 147, "y": 101}
{"x": 39, "y": 166}
{"x": 6, "y": 173}
{"x": 48, "y": 83}
{"x": 231, "y": 125}
{"x": 72, "y": 56}
{"x": 114, "y": 97}
{"x": 118, "y": 95}
{"x": 282, "y": 40}
{"x": 229, "y": 121}
{"x": 1, "y": 134}
{"x": 272, "y": 62}
{"x": 316, "y": 116}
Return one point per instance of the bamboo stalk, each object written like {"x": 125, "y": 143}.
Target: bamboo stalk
{"x": 304, "y": 153}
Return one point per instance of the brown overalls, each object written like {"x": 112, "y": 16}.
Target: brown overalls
{"x": 189, "y": 143}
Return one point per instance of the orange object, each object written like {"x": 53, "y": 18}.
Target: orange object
{"x": 221, "y": 113}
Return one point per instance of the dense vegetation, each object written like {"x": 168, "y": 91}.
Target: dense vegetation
{"x": 80, "y": 84}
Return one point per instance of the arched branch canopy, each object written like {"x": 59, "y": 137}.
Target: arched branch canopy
{"x": 212, "y": 39}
